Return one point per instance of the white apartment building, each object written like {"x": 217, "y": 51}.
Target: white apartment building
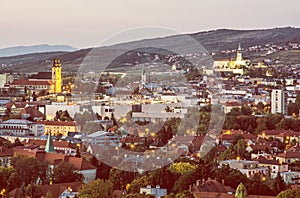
{"x": 279, "y": 101}
{"x": 18, "y": 127}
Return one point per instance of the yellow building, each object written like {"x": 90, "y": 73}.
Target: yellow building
{"x": 56, "y": 75}
{"x": 58, "y": 127}
{"x": 238, "y": 63}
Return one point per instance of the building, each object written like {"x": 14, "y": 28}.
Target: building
{"x": 56, "y": 75}
{"x": 18, "y": 127}
{"x": 291, "y": 177}
{"x": 249, "y": 168}
{"x": 29, "y": 86}
{"x": 232, "y": 66}
{"x": 157, "y": 192}
{"x": 102, "y": 138}
{"x": 5, "y": 79}
{"x": 288, "y": 156}
{"x": 53, "y": 159}
{"x": 211, "y": 188}
{"x": 59, "y": 127}
{"x": 279, "y": 101}
{"x": 274, "y": 166}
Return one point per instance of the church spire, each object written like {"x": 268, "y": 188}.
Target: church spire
{"x": 49, "y": 145}
{"x": 239, "y": 57}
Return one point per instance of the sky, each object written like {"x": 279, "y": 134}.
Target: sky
{"x": 87, "y": 23}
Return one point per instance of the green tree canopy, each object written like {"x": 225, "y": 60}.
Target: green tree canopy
{"x": 96, "y": 189}
{"x": 65, "y": 172}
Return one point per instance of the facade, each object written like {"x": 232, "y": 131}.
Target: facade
{"x": 249, "y": 168}
{"x": 157, "y": 192}
{"x": 274, "y": 166}
{"x": 33, "y": 85}
{"x": 102, "y": 138}
{"x": 58, "y": 127}
{"x": 56, "y": 75}
{"x": 291, "y": 177}
{"x": 4, "y": 79}
{"x": 17, "y": 127}
{"x": 278, "y": 101}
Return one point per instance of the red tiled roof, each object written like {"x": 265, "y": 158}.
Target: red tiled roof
{"x": 55, "y": 189}
{"x": 31, "y": 82}
{"x": 57, "y": 123}
{"x": 212, "y": 186}
{"x": 56, "y": 143}
{"x": 263, "y": 160}
{"x": 6, "y": 152}
{"x": 232, "y": 136}
{"x": 289, "y": 154}
{"x": 32, "y": 111}
{"x": 55, "y": 158}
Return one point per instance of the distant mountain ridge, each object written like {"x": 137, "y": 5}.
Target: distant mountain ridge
{"x": 212, "y": 41}
{"x": 21, "y": 50}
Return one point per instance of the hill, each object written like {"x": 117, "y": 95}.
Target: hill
{"x": 21, "y": 50}
{"x": 212, "y": 41}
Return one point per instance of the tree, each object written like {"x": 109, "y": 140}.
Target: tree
{"x": 138, "y": 196}
{"x": 33, "y": 191}
{"x": 279, "y": 184}
{"x": 241, "y": 191}
{"x": 139, "y": 182}
{"x": 120, "y": 178}
{"x": 6, "y": 175}
{"x": 185, "y": 194}
{"x": 96, "y": 189}
{"x": 289, "y": 194}
{"x": 49, "y": 195}
{"x": 65, "y": 172}
{"x": 28, "y": 169}
{"x": 182, "y": 168}
{"x": 164, "y": 178}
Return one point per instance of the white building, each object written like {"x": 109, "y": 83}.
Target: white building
{"x": 157, "y": 192}
{"x": 17, "y": 127}
{"x": 291, "y": 177}
{"x": 278, "y": 101}
{"x": 102, "y": 138}
{"x": 246, "y": 167}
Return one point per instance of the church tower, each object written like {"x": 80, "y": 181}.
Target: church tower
{"x": 49, "y": 148}
{"x": 239, "y": 57}
{"x": 143, "y": 76}
{"x": 56, "y": 75}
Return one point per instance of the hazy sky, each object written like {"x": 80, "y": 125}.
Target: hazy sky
{"x": 83, "y": 23}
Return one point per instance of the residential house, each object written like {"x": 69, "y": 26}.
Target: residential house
{"x": 157, "y": 192}
{"x": 289, "y": 156}
{"x": 249, "y": 168}
{"x": 274, "y": 166}
{"x": 211, "y": 189}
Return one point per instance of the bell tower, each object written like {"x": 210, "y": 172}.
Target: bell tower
{"x": 239, "y": 57}
{"x": 56, "y": 75}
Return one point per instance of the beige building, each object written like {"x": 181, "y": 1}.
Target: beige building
{"x": 58, "y": 127}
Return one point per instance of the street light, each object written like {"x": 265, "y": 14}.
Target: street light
{"x": 2, "y": 192}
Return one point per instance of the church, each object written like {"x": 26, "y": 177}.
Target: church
{"x": 49, "y": 82}
{"x": 236, "y": 65}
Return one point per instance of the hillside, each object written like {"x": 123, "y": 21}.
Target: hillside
{"x": 212, "y": 41}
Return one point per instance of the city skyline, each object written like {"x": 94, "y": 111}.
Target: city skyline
{"x": 87, "y": 23}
